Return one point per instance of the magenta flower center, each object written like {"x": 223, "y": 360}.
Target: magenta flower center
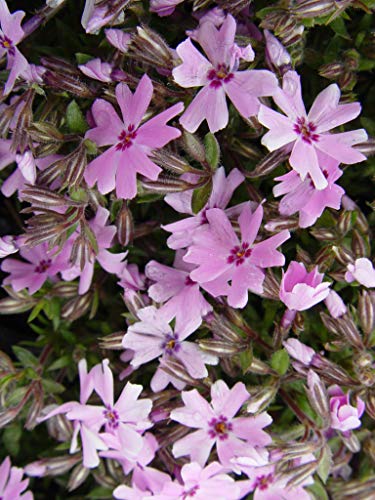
{"x": 112, "y": 417}
{"x": 189, "y": 281}
{"x": 219, "y": 427}
{"x": 171, "y": 344}
{"x": 306, "y": 130}
{"x": 219, "y": 76}
{"x": 190, "y": 493}
{"x": 262, "y": 482}
{"x": 126, "y": 138}
{"x": 238, "y": 254}
{"x": 43, "y": 266}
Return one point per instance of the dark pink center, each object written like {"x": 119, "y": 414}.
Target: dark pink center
{"x": 306, "y": 130}
{"x": 126, "y": 138}
{"x": 171, "y": 344}
{"x": 262, "y": 482}
{"x": 189, "y": 281}
{"x": 238, "y": 254}
{"x": 219, "y": 76}
{"x": 112, "y": 417}
{"x": 219, "y": 427}
{"x": 190, "y": 493}
{"x": 43, "y": 266}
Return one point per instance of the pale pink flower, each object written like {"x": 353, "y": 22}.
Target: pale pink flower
{"x": 131, "y": 143}
{"x": 362, "y": 271}
{"x": 118, "y": 39}
{"x": 12, "y": 486}
{"x": 222, "y": 190}
{"x": 219, "y": 77}
{"x": 202, "y": 484}
{"x": 164, "y": 7}
{"x": 95, "y": 17}
{"x": 300, "y": 290}
{"x": 111, "y": 262}
{"x": 41, "y": 264}
{"x": 181, "y": 296}
{"x": 146, "y": 481}
{"x": 303, "y": 197}
{"x": 25, "y": 172}
{"x": 152, "y": 338}
{"x": 11, "y": 35}
{"x": 308, "y": 133}
{"x": 216, "y": 425}
{"x": 335, "y": 304}
{"x": 277, "y": 57}
{"x": 97, "y": 69}
{"x": 220, "y": 255}
{"x": 344, "y": 416}
{"x": 8, "y": 246}
{"x": 267, "y": 484}
{"x": 301, "y": 352}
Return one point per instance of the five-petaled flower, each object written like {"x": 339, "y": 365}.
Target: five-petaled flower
{"x": 131, "y": 143}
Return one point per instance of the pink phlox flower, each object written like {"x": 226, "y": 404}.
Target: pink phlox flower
{"x": 180, "y": 295}
{"x": 130, "y": 142}
{"x": 88, "y": 430}
{"x": 344, "y": 416}
{"x": 277, "y": 57}
{"x": 217, "y": 426}
{"x": 41, "y": 264}
{"x": 201, "y": 483}
{"x": 222, "y": 190}
{"x": 12, "y": 486}
{"x": 268, "y": 484}
{"x": 111, "y": 262}
{"x": 97, "y": 69}
{"x": 11, "y": 35}
{"x": 131, "y": 278}
{"x": 146, "y": 481}
{"x": 118, "y": 451}
{"x": 219, "y": 254}
{"x": 308, "y": 133}
{"x": 164, "y": 7}
{"x": 8, "y": 245}
{"x": 25, "y": 172}
{"x": 335, "y": 304}
{"x": 34, "y": 74}
{"x": 219, "y": 77}
{"x": 152, "y": 338}
{"x": 118, "y": 39}
{"x": 300, "y": 290}
{"x": 303, "y": 197}
{"x": 301, "y": 352}
{"x": 362, "y": 271}
{"x": 94, "y": 18}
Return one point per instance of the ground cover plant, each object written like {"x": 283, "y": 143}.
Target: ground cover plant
{"x": 187, "y": 303}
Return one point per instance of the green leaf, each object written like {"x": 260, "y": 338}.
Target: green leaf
{"x": 280, "y": 361}
{"x": 52, "y": 387}
{"x": 212, "y": 150}
{"x": 318, "y": 491}
{"x": 25, "y": 356}
{"x": 194, "y": 147}
{"x": 82, "y": 58}
{"x": 339, "y": 27}
{"x": 37, "y": 309}
{"x": 100, "y": 492}
{"x": 75, "y": 119}
{"x": 200, "y": 196}
{"x": 60, "y": 363}
{"x": 11, "y": 438}
{"x": 246, "y": 358}
{"x": 325, "y": 464}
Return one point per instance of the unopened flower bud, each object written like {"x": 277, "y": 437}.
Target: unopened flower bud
{"x": 359, "y": 245}
{"x": 314, "y": 8}
{"x": 344, "y": 223}
{"x": 279, "y": 224}
{"x": 318, "y": 397}
{"x": 170, "y": 161}
{"x": 300, "y": 473}
{"x": 125, "y": 226}
{"x": 68, "y": 83}
{"x": 351, "y": 441}
{"x": 331, "y": 70}
{"x": 277, "y": 57}
{"x": 176, "y": 370}
{"x": 221, "y": 348}
{"x": 366, "y": 312}
{"x": 343, "y": 255}
{"x": 10, "y": 305}
{"x": 367, "y": 148}
{"x": 52, "y": 466}
{"x": 134, "y": 301}
{"x": 149, "y": 47}
{"x": 262, "y": 399}
{"x": 77, "y": 477}
{"x": 165, "y": 185}
{"x": 269, "y": 163}
{"x": 77, "y": 307}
